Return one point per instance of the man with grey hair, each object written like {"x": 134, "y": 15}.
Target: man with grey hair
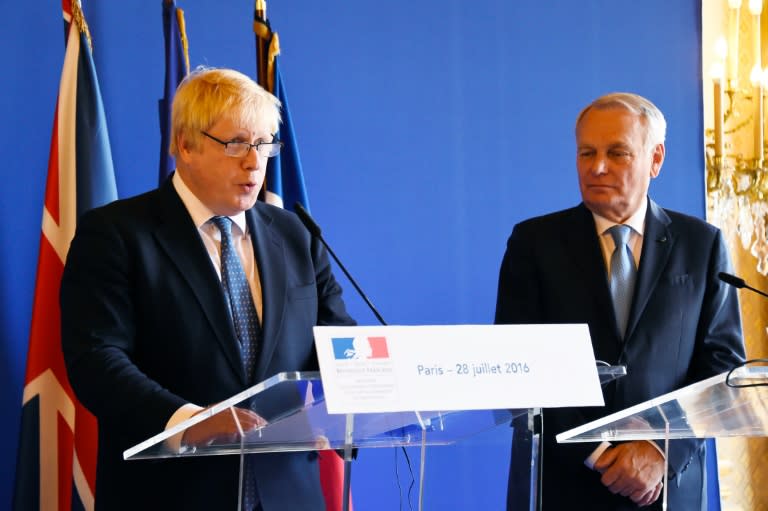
{"x": 184, "y": 296}
{"x": 645, "y": 281}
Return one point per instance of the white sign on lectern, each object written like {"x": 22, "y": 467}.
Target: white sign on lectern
{"x": 375, "y": 369}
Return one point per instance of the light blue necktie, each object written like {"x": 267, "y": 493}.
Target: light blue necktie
{"x": 623, "y": 275}
{"x": 246, "y": 323}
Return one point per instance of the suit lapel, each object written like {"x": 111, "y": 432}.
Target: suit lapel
{"x": 270, "y": 258}
{"x": 583, "y": 246}
{"x": 657, "y": 246}
{"x": 179, "y": 238}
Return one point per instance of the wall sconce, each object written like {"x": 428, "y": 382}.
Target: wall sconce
{"x": 737, "y": 178}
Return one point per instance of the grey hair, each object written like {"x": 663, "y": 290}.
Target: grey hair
{"x": 656, "y": 125}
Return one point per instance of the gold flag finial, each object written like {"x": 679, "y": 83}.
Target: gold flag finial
{"x": 79, "y": 19}
{"x": 183, "y": 36}
{"x": 272, "y": 52}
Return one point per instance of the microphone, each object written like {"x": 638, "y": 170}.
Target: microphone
{"x": 737, "y": 282}
{"x": 314, "y": 230}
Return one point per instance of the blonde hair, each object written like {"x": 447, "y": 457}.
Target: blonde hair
{"x": 207, "y": 95}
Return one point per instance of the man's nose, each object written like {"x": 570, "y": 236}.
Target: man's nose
{"x": 599, "y": 165}
{"x": 252, "y": 160}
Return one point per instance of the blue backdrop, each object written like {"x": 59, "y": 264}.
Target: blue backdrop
{"x": 427, "y": 129}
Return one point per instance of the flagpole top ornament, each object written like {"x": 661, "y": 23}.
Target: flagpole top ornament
{"x": 79, "y": 19}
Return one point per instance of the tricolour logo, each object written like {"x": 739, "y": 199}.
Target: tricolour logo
{"x": 359, "y": 347}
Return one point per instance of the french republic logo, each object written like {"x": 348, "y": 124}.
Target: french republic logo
{"x": 345, "y": 348}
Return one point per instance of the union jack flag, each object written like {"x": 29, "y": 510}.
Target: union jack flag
{"x": 56, "y": 466}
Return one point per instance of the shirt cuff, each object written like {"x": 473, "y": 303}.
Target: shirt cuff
{"x": 179, "y": 416}
{"x": 592, "y": 459}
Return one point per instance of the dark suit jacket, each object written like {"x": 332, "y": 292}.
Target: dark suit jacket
{"x": 145, "y": 329}
{"x": 684, "y": 326}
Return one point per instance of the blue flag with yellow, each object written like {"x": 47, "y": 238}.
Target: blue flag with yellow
{"x": 285, "y": 179}
{"x": 284, "y": 183}
{"x": 176, "y": 68}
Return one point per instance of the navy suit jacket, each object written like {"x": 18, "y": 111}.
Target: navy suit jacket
{"x": 145, "y": 330}
{"x": 684, "y": 326}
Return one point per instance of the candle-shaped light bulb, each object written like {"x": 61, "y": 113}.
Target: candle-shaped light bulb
{"x": 733, "y": 43}
{"x": 764, "y": 82}
{"x": 756, "y": 77}
{"x": 716, "y": 72}
{"x": 756, "y": 7}
{"x": 721, "y": 48}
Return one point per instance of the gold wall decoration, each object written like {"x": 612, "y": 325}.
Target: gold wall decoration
{"x": 735, "y": 73}
{"x": 734, "y": 84}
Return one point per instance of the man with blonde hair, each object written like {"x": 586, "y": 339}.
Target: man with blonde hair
{"x": 645, "y": 280}
{"x": 155, "y": 326}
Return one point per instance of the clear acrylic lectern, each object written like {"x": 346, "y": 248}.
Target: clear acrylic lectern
{"x": 294, "y": 408}
{"x": 730, "y": 404}
{"x": 525, "y": 469}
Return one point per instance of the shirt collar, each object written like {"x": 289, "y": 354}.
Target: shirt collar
{"x": 636, "y": 221}
{"x": 199, "y": 212}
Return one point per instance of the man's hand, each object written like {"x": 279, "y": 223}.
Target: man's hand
{"x": 634, "y": 470}
{"x": 222, "y": 427}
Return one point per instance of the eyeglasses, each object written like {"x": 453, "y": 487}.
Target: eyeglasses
{"x": 240, "y": 149}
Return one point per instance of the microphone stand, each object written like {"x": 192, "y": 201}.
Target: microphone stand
{"x": 315, "y": 231}
{"x": 349, "y": 451}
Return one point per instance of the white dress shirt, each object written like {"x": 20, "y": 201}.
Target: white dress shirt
{"x": 211, "y": 237}
{"x": 636, "y": 222}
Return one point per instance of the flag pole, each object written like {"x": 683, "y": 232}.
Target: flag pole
{"x": 261, "y": 51}
{"x": 261, "y": 9}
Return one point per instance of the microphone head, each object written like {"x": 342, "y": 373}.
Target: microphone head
{"x": 310, "y": 224}
{"x": 731, "y": 279}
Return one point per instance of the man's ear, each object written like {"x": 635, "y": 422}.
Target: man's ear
{"x": 657, "y": 159}
{"x": 184, "y": 146}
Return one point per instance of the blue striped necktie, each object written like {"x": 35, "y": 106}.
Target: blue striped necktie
{"x": 246, "y": 323}
{"x": 623, "y": 275}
